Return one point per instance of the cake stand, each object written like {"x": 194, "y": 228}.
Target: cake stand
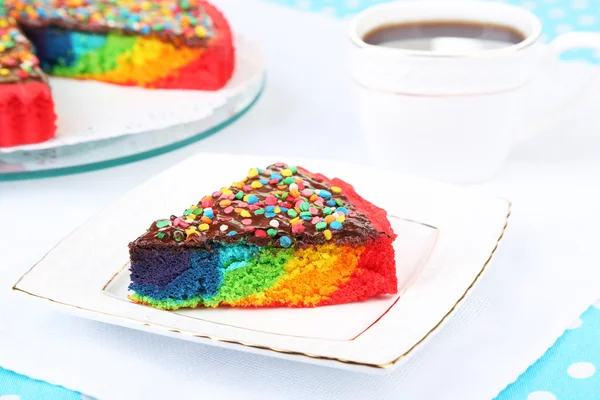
{"x": 102, "y": 125}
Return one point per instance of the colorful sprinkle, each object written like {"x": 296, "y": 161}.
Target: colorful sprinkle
{"x": 328, "y": 234}
{"x": 252, "y": 199}
{"x": 274, "y": 223}
{"x": 325, "y": 194}
{"x": 253, "y": 173}
{"x": 245, "y": 214}
{"x": 285, "y": 242}
{"x": 271, "y": 200}
{"x": 203, "y": 227}
{"x": 260, "y": 233}
{"x": 223, "y": 228}
{"x": 191, "y": 231}
{"x": 342, "y": 210}
{"x": 178, "y": 236}
{"x": 336, "y": 225}
{"x": 163, "y": 223}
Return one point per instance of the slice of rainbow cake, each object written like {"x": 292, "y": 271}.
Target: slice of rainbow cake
{"x": 280, "y": 237}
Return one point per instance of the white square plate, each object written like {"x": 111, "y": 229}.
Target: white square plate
{"x": 446, "y": 238}
{"x": 414, "y": 245}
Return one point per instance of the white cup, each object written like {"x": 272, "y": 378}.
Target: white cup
{"x": 448, "y": 115}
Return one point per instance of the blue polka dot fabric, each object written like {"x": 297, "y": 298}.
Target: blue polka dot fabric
{"x": 18, "y": 387}
{"x": 569, "y": 369}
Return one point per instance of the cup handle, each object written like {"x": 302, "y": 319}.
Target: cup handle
{"x": 564, "y": 42}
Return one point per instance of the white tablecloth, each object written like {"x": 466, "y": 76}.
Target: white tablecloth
{"x": 545, "y": 275}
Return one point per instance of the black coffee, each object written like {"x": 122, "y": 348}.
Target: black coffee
{"x": 444, "y": 36}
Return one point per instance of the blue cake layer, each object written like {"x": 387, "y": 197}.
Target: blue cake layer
{"x": 181, "y": 273}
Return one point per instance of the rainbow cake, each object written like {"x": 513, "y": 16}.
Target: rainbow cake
{"x": 280, "y": 237}
{"x": 169, "y": 44}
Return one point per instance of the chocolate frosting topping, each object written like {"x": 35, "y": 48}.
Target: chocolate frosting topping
{"x": 279, "y": 205}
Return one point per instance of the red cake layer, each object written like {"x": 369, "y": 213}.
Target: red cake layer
{"x": 377, "y": 215}
{"x": 375, "y": 274}
{"x": 214, "y": 68}
{"x": 26, "y": 113}
{"x": 376, "y": 271}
